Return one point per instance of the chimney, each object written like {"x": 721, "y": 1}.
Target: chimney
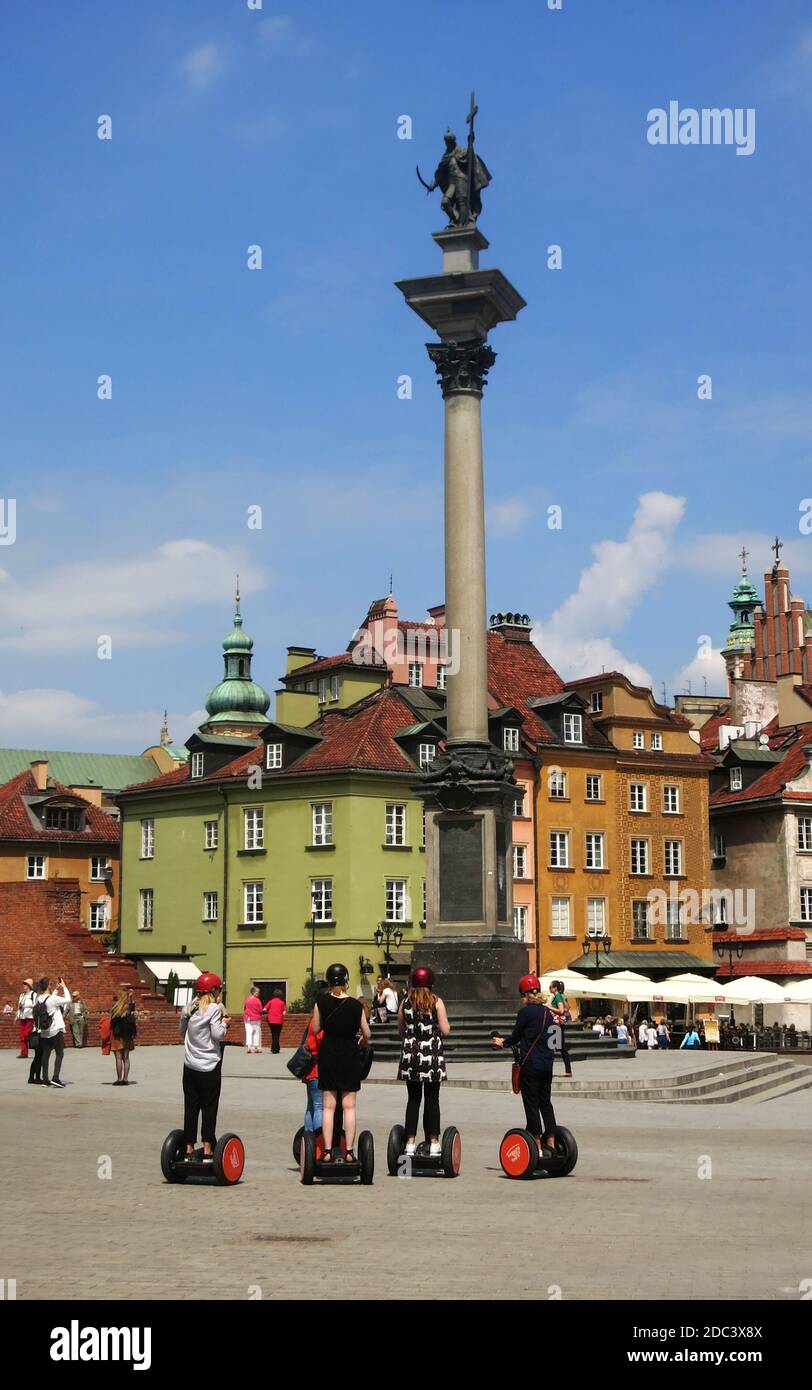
{"x": 437, "y": 615}
{"x": 88, "y": 792}
{"x": 39, "y": 767}
{"x": 514, "y": 627}
{"x": 299, "y": 656}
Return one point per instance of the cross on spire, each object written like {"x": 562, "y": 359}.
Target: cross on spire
{"x": 777, "y": 546}
{"x": 743, "y": 557}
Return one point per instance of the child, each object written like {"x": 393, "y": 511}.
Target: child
{"x": 203, "y": 1026}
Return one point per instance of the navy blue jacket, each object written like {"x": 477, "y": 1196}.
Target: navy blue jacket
{"x": 531, "y": 1020}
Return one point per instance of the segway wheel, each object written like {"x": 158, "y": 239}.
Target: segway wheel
{"x": 229, "y": 1160}
{"x": 174, "y": 1147}
{"x": 307, "y": 1161}
{"x": 366, "y": 1157}
{"x": 395, "y": 1149}
{"x": 566, "y": 1150}
{"x": 297, "y": 1145}
{"x": 451, "y": 1152}
{"x": 518, "y": 1154}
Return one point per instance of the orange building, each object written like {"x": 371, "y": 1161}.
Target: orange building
{"x": 49, "y": 831}
{"x": 622, "y": 817}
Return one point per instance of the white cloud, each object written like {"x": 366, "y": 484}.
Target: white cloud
{"x": 507, "y": 517}
{"x": 63, "y": 719}
{"x": 718, "y": 552}
{"x": 202, "y": 67}
{"x": 609, "y": 591}
{"x": 138, "y": 601}
{"x": 262, "y": 130}
{"x": 702, "y": 669}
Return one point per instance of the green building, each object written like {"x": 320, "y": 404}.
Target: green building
{"x": 283, "y": 845}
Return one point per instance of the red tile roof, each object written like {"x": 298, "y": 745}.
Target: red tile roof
{"x": 517, "y": 670}
{"x": 16, "y": 824}
{"x": 766, "y": 934}
{"x": 772, "y": 782}
{"x": 766, "y": 967}
{"x": 166, "y": 779}
{"x": 709, "y": 731}
{"x": 329, "y": 663}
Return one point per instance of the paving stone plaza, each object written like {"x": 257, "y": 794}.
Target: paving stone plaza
{"x": 668, "y": 1201}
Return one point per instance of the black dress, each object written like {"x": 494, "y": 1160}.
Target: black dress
{"x": 339, "y": 1056}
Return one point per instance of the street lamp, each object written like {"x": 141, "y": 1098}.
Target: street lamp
{"x": 386, "y": 931}
{"x": 595, "y": 943}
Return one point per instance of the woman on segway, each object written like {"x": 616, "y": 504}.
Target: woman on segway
{"x": 203, "y": 1026}
{"x": 534, "y": 1034}
{"x": 422, "y": 1024}
{"x": 341, "y": 1018}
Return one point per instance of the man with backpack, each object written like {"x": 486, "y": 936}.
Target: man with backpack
{"x": 40, "y": 1017}
{"x": 49, "y": 1025}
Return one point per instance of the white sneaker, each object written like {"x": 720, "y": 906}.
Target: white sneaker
{"x": 410, "y": 1148}
{"x": 435, "y": 1149}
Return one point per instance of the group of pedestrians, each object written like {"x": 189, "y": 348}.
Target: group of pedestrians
{"x": 41, "y": 1011}
{"x": 253, "y": 1013}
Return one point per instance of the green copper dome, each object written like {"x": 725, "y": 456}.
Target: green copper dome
{"x": 238, "y": 698}
{"x": 742, "y": 630}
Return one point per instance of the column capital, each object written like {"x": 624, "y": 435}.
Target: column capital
{"x": 461, "y": 367}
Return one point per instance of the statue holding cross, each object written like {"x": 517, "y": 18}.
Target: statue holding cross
{"x": 461, "y": 175}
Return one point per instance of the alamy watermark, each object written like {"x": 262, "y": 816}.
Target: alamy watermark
{"x": 712, "y": 125}
{"x": 425, "y": 645}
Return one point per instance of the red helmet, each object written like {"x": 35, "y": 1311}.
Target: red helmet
{"x": 206, "y": 982}
{"x": 422, "y": 977}
{"x": 529, "y": 984}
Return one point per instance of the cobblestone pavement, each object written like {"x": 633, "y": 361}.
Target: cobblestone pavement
{"x": 634, "y": 1220}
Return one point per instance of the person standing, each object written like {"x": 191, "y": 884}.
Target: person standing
{"x": 25, "y": 1016}
{"x": 123, "y": 1028}
{"x": 534, "y": 1036}
{"x": 691, "y": 1038}
{"x": 342, "y": 1019}
{"x": 203, "y": 1027}
{"x": 651, "y": 1037}
{"x": 642, "y": 1033}
{"x": 562, "y": 1017}
{"x": 252, "y": 1021}
{"x": 623, "y": 1033}
{"x": 275, "y": 1011}
{"x": 422, "y": 1024}
{"x": 77, "y": 1015}
{"x": 663, "y": 1037}
{"x": 40, "y": 1022}
{"x": 53, "y": 1038}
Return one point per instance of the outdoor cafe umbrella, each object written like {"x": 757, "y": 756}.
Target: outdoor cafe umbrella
{"x": 752, "y": 989}
{"x": 799, "y": 993}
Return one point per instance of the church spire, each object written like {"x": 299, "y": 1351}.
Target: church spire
{"x": 741, "y": 632}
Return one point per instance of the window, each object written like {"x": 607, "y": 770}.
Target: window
{"x": 657, "y": 743}
{"x": 718, "y": 845}
{"x": 638, "y": 740}
{"x": 196, "y": 765}
{"x": 559, "y": 849}
{"x": 806, "y": 904}
{"x": 254, "y": 822}
{"x": 510, "y": 740}
{"x": 253, "y": 903}
{"x": 148, "y": 839}
{"x": 671, "y": 800}
{"x": 805, "y": 832}
{"x": 396, "y": 900}
{"x": 560, "y": 917}
{"x": 442, "y": 677}
{"x": 720, "y": 910}
{"x": 423, "y": 828}
{"x": 638, "y": 796}
{"x": 98, "y": 916}
{"x": 640, "y": 923}
{"x": 335, "y": 685}
{"x": 210, "y": 834}
{"x": 520, "y": 861}
{"x": 273, "y": 756}
{"x": 573, "y": 728}
{"x": 61, "y": 818}
{"x": 594, "y": 850}
{"x": 518, "y": 805}
{"x": 98, "y": 867}
{"x": 395, "y": 824}
{"x": 596, "y": 916}
{"x": 415, "y": 673}
{"x": 520, "y": 923}
{"x": 673, "y": 857}
{"x": 322, "y": 899}
{"x": 640, "y": 856}
{"x": 209, "y": 907}
{"x": 428, "y": 752}
{"x": 322, "y": 688}
{"x": 145, "y": 909}
{"x": 423, "y": 918}
{"x": 673, "y": 922}
{"x": 557, "y": 783}
{"x": 735, "y": 779}
{"x": 593, "y": 787}
{"x": 322, "y": 823}
{"x": 596, "y": 701}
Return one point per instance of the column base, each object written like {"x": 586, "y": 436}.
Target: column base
{"x": 475, "y": 970}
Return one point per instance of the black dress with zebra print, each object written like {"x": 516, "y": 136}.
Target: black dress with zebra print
{"x": 421, "y": 1058}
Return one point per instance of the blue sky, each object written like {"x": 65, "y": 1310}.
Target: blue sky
{"x": 235, "y": 388}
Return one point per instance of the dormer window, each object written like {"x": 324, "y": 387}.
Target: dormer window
{"x": 61, "y": 818}
{"x": 273, "y": 756}
{"x": 573, "y": 728}
{"x": 735, "y": 779}
{"x": 510, "y": 740}
{"x": 638, "y": 739}
{"x": 657, "y": 743}
{"x": 428, "y": 752}
{"x": 596, "y": 701}
{"x": 196, "y": 768}
{"x": 415, "y": 673}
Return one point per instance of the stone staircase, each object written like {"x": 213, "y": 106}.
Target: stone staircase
{"x": 470, "y": 1039}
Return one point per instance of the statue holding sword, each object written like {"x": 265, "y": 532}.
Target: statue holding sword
{"x": 461, "y": 175}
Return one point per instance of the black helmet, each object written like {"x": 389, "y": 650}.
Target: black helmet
{"x": 337, "y": 975}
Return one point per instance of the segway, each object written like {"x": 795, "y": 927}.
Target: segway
{"x": 225, "y": 1167}
{"x": 310, "y": 1144}
{"x": 520, "y": 1156}
{"x": 447, "y": 1161}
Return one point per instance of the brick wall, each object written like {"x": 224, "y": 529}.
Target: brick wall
{"x": 159, "y": 1029}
